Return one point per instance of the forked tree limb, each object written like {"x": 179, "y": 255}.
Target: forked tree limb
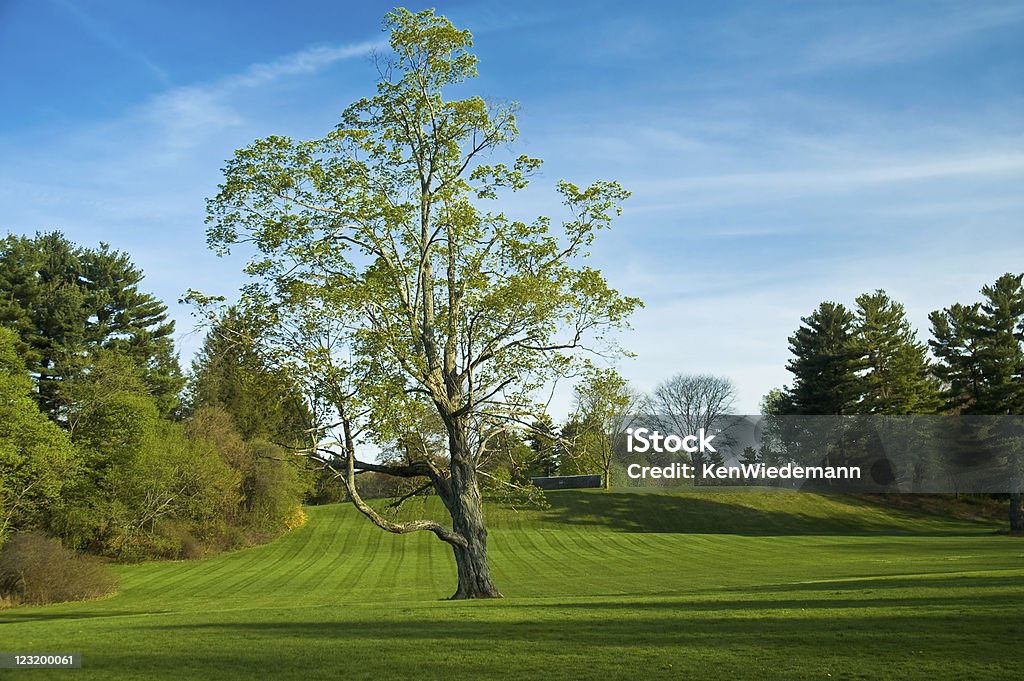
{"x": 349, "y": 480}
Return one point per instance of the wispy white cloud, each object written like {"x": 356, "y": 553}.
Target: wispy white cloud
{"x": 786, "y": 184}
{"x": 307, "y": 61}
{"x": 182, "y": 119}
{"x": 736, "y": 323}
{"x": 138, "y": 180}
{"x": 190, "y": 115}
{"x": 102, "y": 34}
{"x": 888, "y": 36}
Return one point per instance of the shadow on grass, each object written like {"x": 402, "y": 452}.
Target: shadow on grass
{"x": 895, "y": 594}
{"x": 950, "y": 632}
{"x": 601, "y": 628}
{"x": 702, "y": 514}
{"x": 959, "y": 627}
{"x": 25, "y": 614}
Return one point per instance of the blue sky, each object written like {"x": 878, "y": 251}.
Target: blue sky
{"x": 779, "y": 154}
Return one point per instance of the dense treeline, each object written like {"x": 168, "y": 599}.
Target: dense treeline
{"x": 869, "y": 361}
{"x": 107, "y": 446}
{"x": 865, "y": 361}
{"x": 97, "y": 445}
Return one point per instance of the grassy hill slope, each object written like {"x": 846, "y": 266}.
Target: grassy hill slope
{"x": 599, "y": 586}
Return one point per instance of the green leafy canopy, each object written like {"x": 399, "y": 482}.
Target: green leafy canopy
{"x": 381, "y": 241}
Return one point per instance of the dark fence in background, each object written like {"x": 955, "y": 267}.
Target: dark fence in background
{"x": 567, "y": 481}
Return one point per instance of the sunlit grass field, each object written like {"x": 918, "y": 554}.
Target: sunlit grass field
{"x": 599, "y": 586}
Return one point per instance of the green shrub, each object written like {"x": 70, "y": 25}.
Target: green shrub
{"x": 35, "y": 569}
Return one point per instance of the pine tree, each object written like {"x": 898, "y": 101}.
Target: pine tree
{"x": 44, "y": 304}
{"x": 542, "y": 440}
{"x": 896, "y": 377}
{"x": 66, "y": 303}
{"x": 955, "y": 343}
{"x": 1000, "y": 333}
{"x": 825, "y": 364}
{"x": 125, "y": 320}
{"x": 230, "y": 373}
{"x": 981, "y": 348}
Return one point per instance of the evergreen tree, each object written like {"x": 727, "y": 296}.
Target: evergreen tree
{"x": 41, "y": 300}
{"x": 981, "y": 349}
{"x": 66, "y": 302}
{"x": 125, "y": 320}
{"x": 542, "y": 440}
{"x": 825, "y": 364}
{"x": 955, "y": 344}
{"x": 230, "y": 373}
{"x": 1000, "y": 333}
{"x": 896, "y": 376}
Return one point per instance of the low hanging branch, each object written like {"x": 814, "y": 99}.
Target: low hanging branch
{"x": 348, "y": 478}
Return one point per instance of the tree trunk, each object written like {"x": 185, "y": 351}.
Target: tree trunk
{"x": 474, "y": 573}
{"x": 1016, "y": 516}
{"x": 466, "y": 508}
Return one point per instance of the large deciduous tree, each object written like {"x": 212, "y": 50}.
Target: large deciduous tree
{"x": 391, "y": 284}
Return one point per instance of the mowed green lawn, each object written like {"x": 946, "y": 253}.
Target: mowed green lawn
{"x": 601, "y": 586}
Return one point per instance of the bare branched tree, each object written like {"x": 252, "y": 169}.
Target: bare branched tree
{"x": 690, "y": 402}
